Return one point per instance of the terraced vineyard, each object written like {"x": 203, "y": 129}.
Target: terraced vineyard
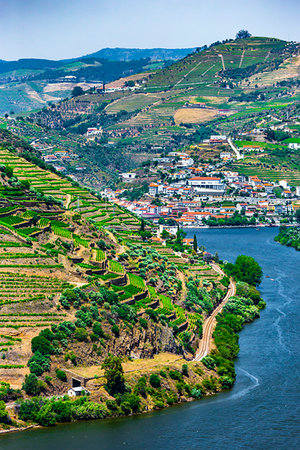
{"x": 46, "y": 250}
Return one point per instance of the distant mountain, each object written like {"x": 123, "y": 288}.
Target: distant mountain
{"x": 29, "y": 63}
{"x": 128, "y": 54}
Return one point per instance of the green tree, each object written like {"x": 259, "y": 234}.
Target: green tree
{"x": 77, "y": 91}
{"x": 195, "y": 243}
{"x": 154, "y": 380}
{"x": 243, "y": 34}
{"x": 114, "y": 374}
{"x": 4, "y": 417}
{"x": 245, "y": 269}
{"x": 31, "y": 384}
{"x": 42, "y": 345}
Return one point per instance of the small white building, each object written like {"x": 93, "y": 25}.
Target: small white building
{"x": 76, "y": 391}
{"x": 128, "y": 177}
{"x": 294, "y": 146}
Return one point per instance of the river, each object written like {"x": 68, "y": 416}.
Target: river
{"x": 260, "y": 412}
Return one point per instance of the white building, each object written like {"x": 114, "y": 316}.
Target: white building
{"x": 76, "y": 391}
{"x": 128, "y": 177}
{"x": 93, "y": 131}
{"x": 294, "y": 146}
{"x": 207, "y": 185}
{"x": 284, "y": 184}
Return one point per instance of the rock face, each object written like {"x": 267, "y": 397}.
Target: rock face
{"x": 136, "y": 343}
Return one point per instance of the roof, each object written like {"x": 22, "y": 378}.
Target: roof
{"x": 205, "y": 178}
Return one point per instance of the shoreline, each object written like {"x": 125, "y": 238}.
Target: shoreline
{"x": 180, "y": 400}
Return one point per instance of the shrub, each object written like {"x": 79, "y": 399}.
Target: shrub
{"x": 175, "y": 375}
{"x": 31, "y": 384}
{"x": 116, "y": 331}
{"x": 226, "y": 382}
{"x": 143, "y": 323}
{"x": 209, "y": 362}
{"x": 196, "y": 393}
{"x": 97, "y": 329}
{"x": 141, "y": 387}
{"x": 81, "y": 334}
{"x": 42, "y": 345}
{"x": 4, "y": 417}
{"x": 154, "y": 380}
{"x": 61, "y": 374}
{"x": 112, "y": 405}
{"x": 185, "y": 370}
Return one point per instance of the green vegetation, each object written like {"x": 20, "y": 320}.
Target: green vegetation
{"x": 289, "y": 236}
{"x": 245, "y": 269}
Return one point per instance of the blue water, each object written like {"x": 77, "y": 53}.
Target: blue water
{"x": 260, "y": 412}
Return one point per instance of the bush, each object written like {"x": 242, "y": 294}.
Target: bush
{"x": 42, "y": 345}
{"x": 61, "y": 374}
{"x": 116, "y": 331}
{"x": 112, "y": 405}
{"x": 196, "y": 393}
{"x": 185, "y": 370}
{"x": 154, "y": 380}
{"x": 175, "y": 375}
{"x": 226, "y": 382}
{"x": 31, "y": 384}
{"x": 97, "y": 329}
{"x": 143, "y": 323}
{"x": 81, "y": 334}
{"x": 209, "y": 362}
{"x": 141, "y": 387}
{"x": 4, "y": 417}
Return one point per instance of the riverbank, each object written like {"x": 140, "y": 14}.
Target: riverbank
{"x": 162, "y": 385}
{"x": 289, "y": 237}
{"x": 265, "y": 387}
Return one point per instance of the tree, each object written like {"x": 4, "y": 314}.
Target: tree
{"x": 114, "y": 374}
{"x": 195, "y": 243}
{"x": 245, "y": 269}
{"x": 297, "y": 215}
{"x": 4, "y": 417}
{"x": 243, "y": 34}
{"x": 42, "y": 345}
{"x": 31, "y": 384}
{"x": 77, "y": 91}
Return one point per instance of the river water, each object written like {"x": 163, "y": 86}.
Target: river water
{"x": 260, "y": 412}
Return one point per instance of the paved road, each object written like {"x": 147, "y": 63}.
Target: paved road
{"x": 209, "y": 324}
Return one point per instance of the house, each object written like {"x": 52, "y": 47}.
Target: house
{"x": 128, "y": 177}
{"x": 76, "y": 391}
{"x": 294, "y": 146}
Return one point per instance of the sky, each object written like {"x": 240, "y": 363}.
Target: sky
{"x": 59, "y": 29}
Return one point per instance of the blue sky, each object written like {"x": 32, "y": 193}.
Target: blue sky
{"x": 59, "y": 29}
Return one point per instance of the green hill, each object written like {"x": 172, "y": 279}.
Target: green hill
{"x": 232, "y": 60}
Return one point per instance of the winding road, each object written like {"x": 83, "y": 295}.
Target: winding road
{"x": 209, "y": 324}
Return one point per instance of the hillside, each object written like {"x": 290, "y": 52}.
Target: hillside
{"x": 32, "y": 83}
{"x": 49, "y": 250}
{"x": 155, "y": 54}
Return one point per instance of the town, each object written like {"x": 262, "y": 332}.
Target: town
{"x": 185, "y": 195}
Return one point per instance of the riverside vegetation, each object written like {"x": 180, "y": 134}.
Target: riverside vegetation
{"x": 289, "y": 236}
{"x": 89, "y": 290}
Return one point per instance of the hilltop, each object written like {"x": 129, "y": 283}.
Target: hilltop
{"x": 155, "y": 54}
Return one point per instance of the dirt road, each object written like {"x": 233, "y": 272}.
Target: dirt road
{"x": 209, "y": 324}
